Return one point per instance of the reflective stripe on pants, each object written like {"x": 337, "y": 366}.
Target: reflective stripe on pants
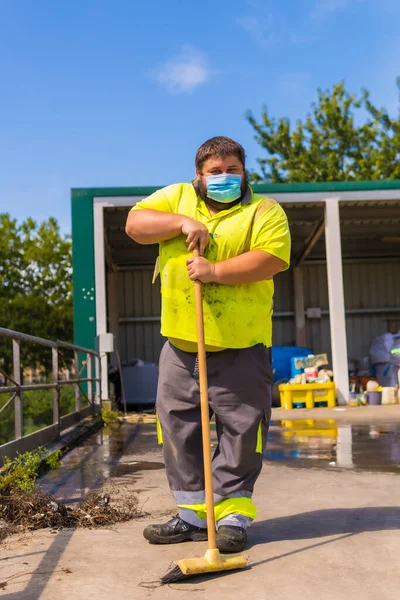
{"x": 239, "y": 396}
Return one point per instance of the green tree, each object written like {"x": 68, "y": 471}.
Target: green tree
{"x": 35, "y": 286}
{"x": 344, "y": 138}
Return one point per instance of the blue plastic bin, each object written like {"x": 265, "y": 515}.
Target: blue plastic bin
{"x": 281, "y": 360}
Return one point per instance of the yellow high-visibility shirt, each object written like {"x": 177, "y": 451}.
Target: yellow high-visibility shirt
{"x": 235, "y": 316}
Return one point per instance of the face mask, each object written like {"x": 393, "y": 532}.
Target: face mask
{"x": 224, "y": 188}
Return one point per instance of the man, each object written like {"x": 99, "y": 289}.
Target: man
{"x": 244, "y": 242}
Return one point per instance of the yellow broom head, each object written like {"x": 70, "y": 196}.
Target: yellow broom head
{"x": 210, "y": 562}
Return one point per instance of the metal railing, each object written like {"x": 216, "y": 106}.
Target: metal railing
{"x": 23, "y": 443}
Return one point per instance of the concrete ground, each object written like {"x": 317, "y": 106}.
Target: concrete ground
{"x": 319, "y": 535}
{"x": 389, "y": 413}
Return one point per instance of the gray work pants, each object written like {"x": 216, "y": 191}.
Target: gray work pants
{"x": 239, "y": 386}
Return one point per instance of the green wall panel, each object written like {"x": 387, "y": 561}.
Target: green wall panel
{"x": 83, "y": 270}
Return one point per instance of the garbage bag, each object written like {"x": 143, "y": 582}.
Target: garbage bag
{"x": 380, "y": 349}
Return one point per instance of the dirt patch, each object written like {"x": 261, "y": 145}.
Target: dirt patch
{"x": 25, "y": 511}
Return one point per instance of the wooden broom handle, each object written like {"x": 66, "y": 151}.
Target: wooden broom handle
{"x": 205, "y": 414}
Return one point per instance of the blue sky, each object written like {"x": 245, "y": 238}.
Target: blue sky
{"x": 117, "y": 92}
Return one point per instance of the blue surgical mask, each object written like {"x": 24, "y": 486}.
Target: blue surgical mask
{"x": 224, "y": 188}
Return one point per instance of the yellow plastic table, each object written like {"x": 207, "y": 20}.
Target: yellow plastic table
{"x": 308, "y": 394}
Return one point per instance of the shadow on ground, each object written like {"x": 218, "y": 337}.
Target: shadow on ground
{"x": 39, "y": 578}
{"x": 324, "y": 523}
{"x": 340, "y": 522}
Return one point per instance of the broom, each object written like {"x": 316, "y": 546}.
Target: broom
{"x": 212, "y": 560}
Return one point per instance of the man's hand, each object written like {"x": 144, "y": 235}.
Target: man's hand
{"x": 197, "y": 234}
{"x": 200, "y": 269}
{"x": 249, "y": 267}
{"x": 147, "y": 226}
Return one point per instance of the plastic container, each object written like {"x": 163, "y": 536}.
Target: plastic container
{"x": 140, "y": 384}
{"x": 389, "y": 395}
{"x": 375, "y": 398}
{"x": 311, "y": 372}
{"x": 281, "y": 357}
{"x": 353, "y": 399}
{"x": 293, "y": 370}
{"x": 308, "y": 394}
{"x": 372, "y": 385}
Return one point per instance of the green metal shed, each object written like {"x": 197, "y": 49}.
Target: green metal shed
{"x": 342, "y": 291}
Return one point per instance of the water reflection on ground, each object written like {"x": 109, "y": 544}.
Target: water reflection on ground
{"x": 302, "y": 443}
{"x": 88, "y": 465}
{"x": 330, "y": 444}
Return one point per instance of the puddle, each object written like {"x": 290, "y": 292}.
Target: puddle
{"x": 302, "y": 443}
{"x": 126, "y": 468}
{"x": 329, "y": 444}
{"x": 88, "y": 465}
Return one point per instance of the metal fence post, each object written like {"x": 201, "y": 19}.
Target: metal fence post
{"x": 76, "y": 385}
{"x": 56, "y": 391}
{"x": 89, "y": 370}
{"x": 98, "y": 380}
{"x": 18, "y": 406}
{"x": 60, "y": 422}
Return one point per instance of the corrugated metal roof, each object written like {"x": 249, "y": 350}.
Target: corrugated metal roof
{"x": 368, "y": 230}
{"x": 263, "y": 188}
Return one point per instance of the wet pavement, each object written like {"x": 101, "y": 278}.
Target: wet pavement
{"x": 88, "y": 465}
{"x": 320, "y": 533}
{"x": 327, "y": 444}
{"x": 331, "y": 444}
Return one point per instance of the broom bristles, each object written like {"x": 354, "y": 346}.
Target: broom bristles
{"x": 172, "y": 576}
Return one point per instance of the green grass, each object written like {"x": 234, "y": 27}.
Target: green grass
{"x": 110, "y": 416}
{"x": 21, "y": 472}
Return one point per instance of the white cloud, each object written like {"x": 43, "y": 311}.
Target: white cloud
{"x": 325, "y": 8}
{"x": 268, "y": 26}
{"x": 184, "y": 72}
{"x": 270, "y": 30}
{"x": 262, "y": 29}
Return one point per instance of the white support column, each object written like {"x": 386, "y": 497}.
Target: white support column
{"x": 336, "y": 299}
{"x": 100, "y": 276}
{"x": 301, "y": 337}
{"x": 112, "y": 280}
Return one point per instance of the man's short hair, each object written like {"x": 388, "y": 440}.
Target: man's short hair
{"x": 219, "y": 146}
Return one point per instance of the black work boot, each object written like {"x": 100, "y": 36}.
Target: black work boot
{"x": 231, "y": 538}
{"x": 174, "y": 531}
